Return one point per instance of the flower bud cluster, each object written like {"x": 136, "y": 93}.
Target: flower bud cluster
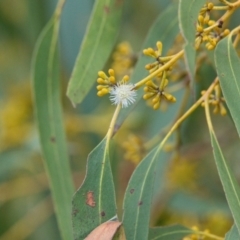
{"x": 157, "y": 93}
{"x": 123, "y": 59}
{"x": 217, "y": 101}
{"x": 208, "y": 30}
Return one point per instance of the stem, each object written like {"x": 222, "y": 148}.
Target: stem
{"x": 220, "y": 8}
{"x": 164, "y": 67}
{"x": 207, "y": 113}
{"x": 113, "y": 121}
{"x": 209, "y": 235}
{"x": 184, "y": 116}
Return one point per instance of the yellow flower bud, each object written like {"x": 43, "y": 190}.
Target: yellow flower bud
{"x": 103, "y": 92}
{"x": 156, "y": 99}
{"x": 156, "y": 105}
{"x": 151, "y": 84}
{"x": 223, "y": 110}
{"x": 200, "y": 18}
{"x": 102, "y": 74}
{"x": 206, "y": 18}
{"x": 125, "y": 78}
{"x": 148, "y": 95}
{"x": 111, "y": 72}
{"x": 210, "y": 6}
{"x": 101, "y": 81}
{"x": 226, "y": 32}
{"x": 159, "y": 47}
{"x": 211, "y": 22}
{"x": 169, "y": 97}
{"x": 199, "y": 28}
{"x": 100, "y": 87}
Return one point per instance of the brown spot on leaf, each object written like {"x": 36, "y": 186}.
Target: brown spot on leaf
{"x": 106, "y": 9}
{"x": 131, "y": 191}
{"x": 103, "y": 214}
{"x": 90, "y": 199}
{"x": 53, "y": 139}
{"x": 75, "y": 212}
{"x": 140, "y": 203}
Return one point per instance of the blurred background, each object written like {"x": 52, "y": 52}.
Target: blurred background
{"x": 191, "y": 193}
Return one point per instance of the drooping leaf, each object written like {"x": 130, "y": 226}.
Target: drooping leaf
{"x": 233, "y": 234}
{"x": 46, "y": 89}
{"x": 229, "y": 182}
{"x": 227, "y": 63}
{"x": 158, "y": 32}
{"x": 174, "y": 232}
{"x": 96, "y": 47}
{"x": 138, "y": 195}
{"x": 94, "y": 202}
{"x": 188, "y": 14}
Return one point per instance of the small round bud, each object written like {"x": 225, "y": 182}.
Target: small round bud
{"x": 145, "y": 51}
{"x": 101, "y": 81}
{"x": 126, "y": 78}
{"x": 149, "y": 66}
{"x": 112, "y": 79}
{"x": 223, "y": 110}
{"x": 210, "y": 6}
{"x": 100, "y": 87}
{"x": 151, "y": 84}
{"x": 199, "y": 28}
{"x": 169, "y": 97}
{"x": 155, "y": 99}
{"x": 103, "y": 92}
{"x": 226, "y": 32}
{"x": 156, "y": 105}
{"x": 200, "y": 18}
{"x": 102, "y": 74}
{"x": 148, "y": 95}
{"x": 159, "y": 47}
{"x": 206, "y": 18}
{"x": 211, "y": 22}
{"x": 111, "y": 72}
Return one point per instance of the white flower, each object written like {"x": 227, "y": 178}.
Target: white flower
{"x": 123, "y": 94}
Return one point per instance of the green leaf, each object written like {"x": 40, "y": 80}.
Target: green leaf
{"x": 46, "y": 91}
{"x": 174, "y": 232}
{"x": 158, "y": 32}
{"x": 232, "y": 234}
{"x": 229, "y": 182}
{"x": 96, "y": 47}
{"x": 94, "y": 202}
{"x": 188, "y": 14}
{"x": 227, "y": 63}
{"x": 138, "y": 195}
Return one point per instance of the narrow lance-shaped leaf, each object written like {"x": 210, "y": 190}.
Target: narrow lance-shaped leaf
{"x": 229, "y": 182}
{"x": 174, "y": 232}
{"x": 49, "y": 118}
{"x": 188, "y": 14}
{"x": 94, "y": 202}
{"x": 138, "y": 195}
{"x": 96, "y": 47}
{"x": 227, "y": 64}
{"x": 158, "y": 32}
{"x": 233, "y": 234}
